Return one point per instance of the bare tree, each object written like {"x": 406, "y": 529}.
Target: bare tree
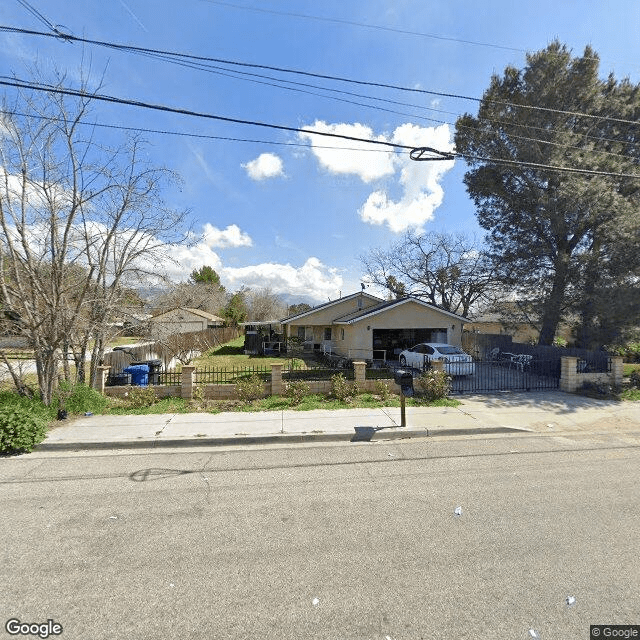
{"x": 264, "y": 304}
{"x": 80, "y": 223}
{"x": 447, "y": 270}
{"x": 204, "y": 296}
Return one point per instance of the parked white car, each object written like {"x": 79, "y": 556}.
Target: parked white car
{"x": 456, "y": 361}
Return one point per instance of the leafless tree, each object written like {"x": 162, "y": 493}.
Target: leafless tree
{"x": 80, "y": 223}
{"x": 207, "y": 297}
{"x": 447, "y": 270}
{"x": 264, "y": 304}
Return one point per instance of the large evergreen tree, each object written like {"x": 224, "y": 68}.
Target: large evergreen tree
{"x": 564, "y": 236}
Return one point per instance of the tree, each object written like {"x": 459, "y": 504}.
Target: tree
{"x": 80, "y": 225}
{"x": 236, "y": 310}
{"x": 205, "y": 275}
{"x": 551, "y": 232}
{"x": 205, "y": 296}
{"x": 295, "y": 309}
{"x": 447, "y": 270}
{"x": 264, "y": 304}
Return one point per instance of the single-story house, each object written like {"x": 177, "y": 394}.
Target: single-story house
{"x": 364, "y": 327}
{"x": 182, "y": 320}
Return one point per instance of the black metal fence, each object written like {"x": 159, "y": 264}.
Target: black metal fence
{"x": 522, "y": 374}
{"x": 210, "y": 375}
{"x": 316, "y": 374}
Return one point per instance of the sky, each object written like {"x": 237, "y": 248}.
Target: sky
{"x": 282, "y": 208}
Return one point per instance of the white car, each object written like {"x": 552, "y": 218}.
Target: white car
{"x": 456, "y": 361}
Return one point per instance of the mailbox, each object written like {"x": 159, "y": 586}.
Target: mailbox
{"x": 404, "y": 379}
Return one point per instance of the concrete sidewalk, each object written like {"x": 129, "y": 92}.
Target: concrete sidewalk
{"x": 547, "y": 413}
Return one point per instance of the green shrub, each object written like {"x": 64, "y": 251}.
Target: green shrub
{"x": 250, "y": 388}
{"x": 382, "y": 390}
{"x": 635, "y": 378}
{"x": 80, "y": 398}
{"x": 433, "y": 385}
{"x": 21, "y": 428}
{"x": 342, "y": 389}
{"x": 138, "y": 397}
{"x": 297, "y": 391}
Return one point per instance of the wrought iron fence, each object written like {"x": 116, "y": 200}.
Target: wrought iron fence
{"x": 316, "y": 374}
{"x": 211, "y": 375}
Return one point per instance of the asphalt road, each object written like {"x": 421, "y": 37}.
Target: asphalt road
{"x": 356, "y": 541}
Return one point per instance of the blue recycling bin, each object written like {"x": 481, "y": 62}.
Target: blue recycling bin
{"x": 139, "y": 374}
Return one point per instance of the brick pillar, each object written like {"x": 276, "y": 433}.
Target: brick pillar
{"x": 616, "y": 370}
{"x": 359, "y": 371}
{"x": 101, "y": 378}
{"x": 188, "y": 381}
{"x": 437, "y": 365}
{"x": 277, "y": 387}
{"x": 568, "y": 374}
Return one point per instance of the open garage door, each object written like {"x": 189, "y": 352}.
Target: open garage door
{"x": 388, "y": 343}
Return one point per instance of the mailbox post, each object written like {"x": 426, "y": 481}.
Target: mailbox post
{"x": 404, "y": 379}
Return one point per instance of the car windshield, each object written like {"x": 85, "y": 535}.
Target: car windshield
{"x": 450, "y": 351}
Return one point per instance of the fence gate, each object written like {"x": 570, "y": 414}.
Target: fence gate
{"x": 508, "y": 375}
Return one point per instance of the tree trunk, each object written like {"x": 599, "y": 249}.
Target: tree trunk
{"x": 553, "y": 307}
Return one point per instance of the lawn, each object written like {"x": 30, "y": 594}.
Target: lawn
{"x": 231, "y": 356}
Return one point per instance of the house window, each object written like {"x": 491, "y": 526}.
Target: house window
{"x": 327, "y": 333}
{"x": 301, "y": 333}
{"x": 341, "y": 334}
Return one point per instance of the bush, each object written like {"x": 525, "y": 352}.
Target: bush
{"x": 342, "y": 389}
{"x": 250, "y": 388}
{"x": 635, "y": 378}
{"x": 433, "y": 385}
{"x": 138, "y": 397}
{"x": 80, "y": 398}
{"x": 382, "y": 390}
{"x": 297, "y": 391}
{"x": 21, "y": 428}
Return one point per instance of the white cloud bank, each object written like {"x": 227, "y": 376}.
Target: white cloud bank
{"x": 312, "y": 280}
{"x": 421, "y": 192}
{"x": 266, "y": 165}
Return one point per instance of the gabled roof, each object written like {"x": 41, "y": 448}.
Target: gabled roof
{"x": 326, "y": 305}
{"x": 198, "y": 312}
{"x": 356, "y": 316}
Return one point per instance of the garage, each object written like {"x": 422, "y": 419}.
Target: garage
{"x": 388, "y": 343}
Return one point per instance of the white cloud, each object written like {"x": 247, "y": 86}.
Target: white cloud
{"x": 349, "y": 156}
{"x": 419, "y": 182}
{"x": 266, "y": 165}
{"x": 232, "y": 236}
{"x": 311, "y": 280}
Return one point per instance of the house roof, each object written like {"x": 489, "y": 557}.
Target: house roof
{"x": 198, "y": 312}
{"x": 330, "y": 304}
{"x": 356, "y": 316}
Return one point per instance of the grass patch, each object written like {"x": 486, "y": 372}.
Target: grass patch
{"x": 119, "y": 407}
{"x": 630, "y": 395}
{"x": 629, "y": 368}
{"x": 230, "y": 355}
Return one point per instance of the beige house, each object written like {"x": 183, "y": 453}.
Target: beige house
{"x": 182, "y": 320}
{"x": 364, "y": 327}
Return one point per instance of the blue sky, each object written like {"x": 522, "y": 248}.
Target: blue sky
{"x": 295, "y": 217}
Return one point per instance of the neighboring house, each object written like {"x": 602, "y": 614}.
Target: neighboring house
{"x": 362, "y": 326}
{"x": 519, "y": 320}
{"x": 182, "y": 320}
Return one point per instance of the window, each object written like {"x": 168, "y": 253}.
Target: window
{"x": 341, "y": 334}
{"x": 327, "y": 333}
{"x": 301, "y": 333}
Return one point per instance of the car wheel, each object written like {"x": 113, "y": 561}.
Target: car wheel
{"x": 403, "y": 361}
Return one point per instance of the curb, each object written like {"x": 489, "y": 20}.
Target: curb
{"x": 370, "y": 434}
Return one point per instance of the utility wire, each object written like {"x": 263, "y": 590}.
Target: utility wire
{"x": 21, "y": 84}
{"x": 187, "y": 134}
{"x": 132, "y": 48}
{"x": 416, "y": 152}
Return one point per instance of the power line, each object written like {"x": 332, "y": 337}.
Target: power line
{"x": 417, "y": 152}
{"x": 21, "y": 84}
{"x": 132, "y": 48}
{"x": 187, "y": 134}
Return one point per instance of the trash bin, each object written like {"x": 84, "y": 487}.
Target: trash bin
{"x": 155, "y": 367}
{"x": 139, "y": 374}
